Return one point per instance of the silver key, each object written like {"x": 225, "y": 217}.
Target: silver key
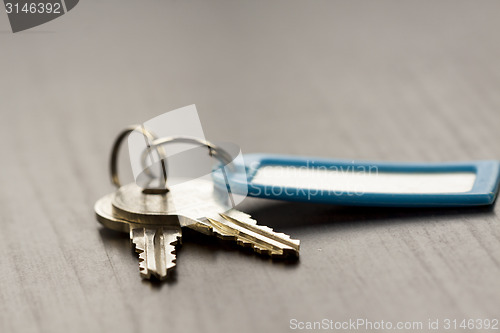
{"x": 155, "y": 244}
{"x": 193, "y": 204}
{"x": 199, "y": 207}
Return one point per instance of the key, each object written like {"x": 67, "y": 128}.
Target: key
{"x": 194, "y": 204}
{"x": 199, "y": 207}
{"x": 155, "y": 244}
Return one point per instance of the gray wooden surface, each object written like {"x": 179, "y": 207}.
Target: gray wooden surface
{"x": 388, "y": 80}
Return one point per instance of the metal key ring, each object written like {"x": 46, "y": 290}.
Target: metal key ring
{"x": 213, "y": 150}
{"x": 115, "y": 179}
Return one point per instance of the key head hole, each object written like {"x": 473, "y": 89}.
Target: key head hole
{"x": 155, "y": 191}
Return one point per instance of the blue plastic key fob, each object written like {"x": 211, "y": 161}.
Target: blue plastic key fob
{"x": 365, "y": 183}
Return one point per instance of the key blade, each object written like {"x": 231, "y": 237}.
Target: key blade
{"x": 246, "y": 221}
{"x": 262, "y": 239}
{"x": 156, "y": 248}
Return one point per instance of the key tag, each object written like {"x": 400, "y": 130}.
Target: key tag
{"x": 365, "y": 183}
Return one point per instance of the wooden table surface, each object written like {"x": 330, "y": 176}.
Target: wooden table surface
{"x": 379, "y": 80}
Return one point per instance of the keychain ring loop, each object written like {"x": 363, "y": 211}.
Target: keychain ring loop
{"x": 213, "y": 150}
{"x": 113, "y": 163}
{"x": 157, "y": 143}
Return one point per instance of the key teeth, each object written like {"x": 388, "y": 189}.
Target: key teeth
{"x": 138, "y": 238}
{"x": 260, "y": 250}
{"x": 246, "y": 218}
{"x": 244, "y": 243}
{"x": 142, "y": 256}
{"x": 172, "y": 255}
{"x": 238, "y": 215}
{"x": 287, "y": 237}
{"x": 255, "y": 247}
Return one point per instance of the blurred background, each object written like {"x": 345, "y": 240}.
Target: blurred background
{"x": 381, "y": 80}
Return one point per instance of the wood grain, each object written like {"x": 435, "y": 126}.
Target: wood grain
{"x": 388, "y": 80}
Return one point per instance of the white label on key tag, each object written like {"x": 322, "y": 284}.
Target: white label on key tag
{"x": 365, "y": 182}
